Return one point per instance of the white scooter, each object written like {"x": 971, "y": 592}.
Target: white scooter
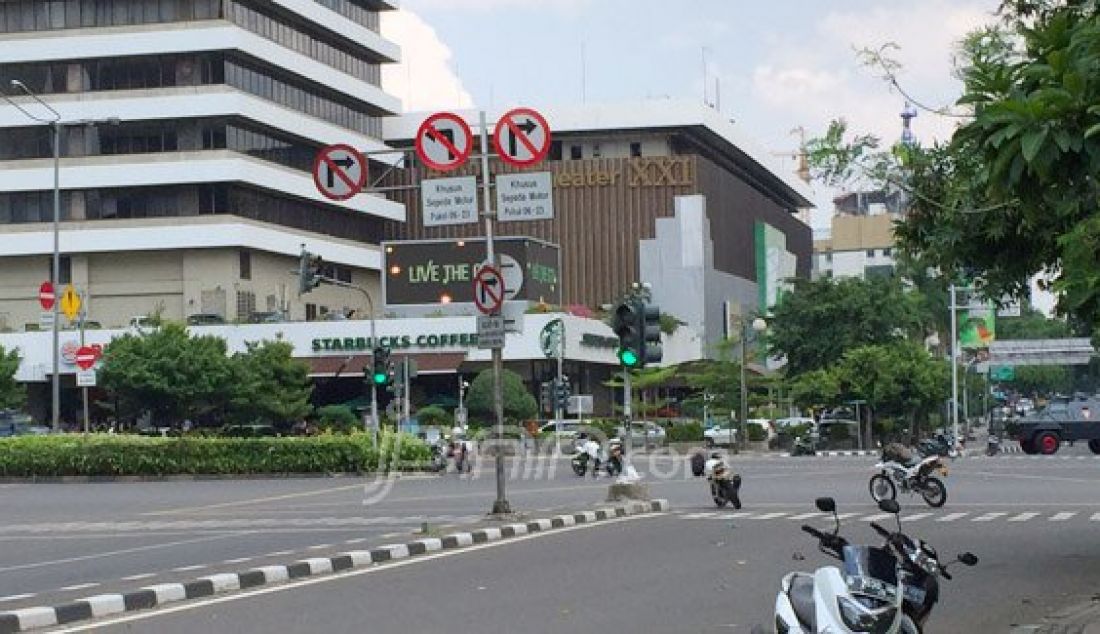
{"x": 887, "y": 590}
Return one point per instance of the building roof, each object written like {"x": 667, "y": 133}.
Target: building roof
{"x": 706, "y": 125}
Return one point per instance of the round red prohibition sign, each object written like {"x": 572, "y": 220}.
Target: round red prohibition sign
{"x": 522, "y": 137}
{"x": 339, "y": 171}
{"x": 488, "y": 290}
{"x": 444, "y": 141}
{"x": 86, "y": 357}
{"x": 45, "y": 295}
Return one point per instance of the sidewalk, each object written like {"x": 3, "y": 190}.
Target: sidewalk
{"x": 1080, "y": 618}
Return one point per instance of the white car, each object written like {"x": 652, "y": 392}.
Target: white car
{"x": 793, "y": 421}
{"x": 720, "y": 435}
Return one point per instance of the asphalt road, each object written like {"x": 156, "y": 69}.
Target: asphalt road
{"x": 1032, "y": 520}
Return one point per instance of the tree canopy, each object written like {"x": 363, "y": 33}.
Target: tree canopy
{"x": 519, "y": 404}
{"x": 12, "y": 394}
{"x": 819, "y": 320}
{"x": 270, "y": 384}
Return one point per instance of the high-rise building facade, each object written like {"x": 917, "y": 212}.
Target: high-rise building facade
{"x": 188, "y": 132}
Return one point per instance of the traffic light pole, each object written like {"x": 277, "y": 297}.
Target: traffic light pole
{"x": 558, "y": 413}
{"x": 501, "y": 505}
{"x": 628, "y": 412}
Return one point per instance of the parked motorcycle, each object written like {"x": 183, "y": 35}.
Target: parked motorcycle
{"x": 993, "y": 445}
{"x": 438, "y": 462}
{"x": 725, "y": 485}
{"x": 803, "y": 446}
{"x": 943, "y": 445}
{"x": 910, "y": 478}
{"x": 888, "y": 590}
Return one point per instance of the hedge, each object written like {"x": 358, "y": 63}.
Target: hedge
{"x": 121, "y": 455}
{"x": 685, "y": 432}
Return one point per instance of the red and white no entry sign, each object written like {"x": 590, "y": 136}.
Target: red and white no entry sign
{"x": 86, "y": 357}
{"x": 488, "y": 290}
{"x": 444, "y": 141}
{"x": 339, "y": 172}
{"x": 46, "y": 296}
{"x": 522, "y": 137}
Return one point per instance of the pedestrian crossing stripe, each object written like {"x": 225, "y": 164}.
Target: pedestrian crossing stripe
{"x": 964, "y": 516}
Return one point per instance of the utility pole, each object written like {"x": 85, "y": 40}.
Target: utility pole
{"x": 500, "y": 505}
{"x": 954, "y": 362}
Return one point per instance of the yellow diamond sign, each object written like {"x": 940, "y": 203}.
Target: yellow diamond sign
{"x": 70, "y": 302}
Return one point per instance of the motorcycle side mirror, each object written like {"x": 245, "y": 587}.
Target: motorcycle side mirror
{"x": 889, "y": 506}
{"x": 825, "y": 505}
{"x": 968, "y": 559}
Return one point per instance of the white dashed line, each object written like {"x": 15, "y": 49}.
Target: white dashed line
{"x": 951, "y": 517}
{"x": 78, "y": 586}
{"x": 238, "y": 560}
{"x": 988, "y": 517}
{"x": 320, "y": 547}
{"x": 916, "y": 516}
{"x": 1023, "y": 517}
{"x": 15, "y": 597}
{"x": 280, "y": 553}
{"x": 189, "y": 568}
{"x": 1061, "y": 517}
{"x": 144, "y": 575}
{"x": 357, "y": 540}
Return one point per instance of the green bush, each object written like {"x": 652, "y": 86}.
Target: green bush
{"x": 685, "y": 432}
{"x": 118, "y": 455}
{"x": 337, "y": 418}
{"x": 757, "y": 433}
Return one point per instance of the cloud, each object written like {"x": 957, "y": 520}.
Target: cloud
{"x": 425, "y": 78}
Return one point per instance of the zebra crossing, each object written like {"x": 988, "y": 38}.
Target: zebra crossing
{"x": 1010, "y": 517}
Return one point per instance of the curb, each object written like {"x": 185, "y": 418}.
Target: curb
{"x": 840, "y": 454}
{"x": 101, "y": 605}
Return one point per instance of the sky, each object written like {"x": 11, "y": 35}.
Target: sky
{"x": 771, "y": 67}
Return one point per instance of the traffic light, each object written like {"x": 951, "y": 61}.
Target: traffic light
{"x": 309, "y": 271}
{"x": 380, "y": 366}
{"x": 651, "y": 334}
{"x": 628, "y": 324}
{"x": 562, "y": 392}
{"x": 546, "y": 396}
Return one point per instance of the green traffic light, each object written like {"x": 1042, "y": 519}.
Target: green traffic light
{"x": 380, "y": 378}
{"x": 628, "y": 357}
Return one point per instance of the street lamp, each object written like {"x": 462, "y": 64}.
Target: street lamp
{"x": 55, "y": 122}
{"x": 756, "y": 325}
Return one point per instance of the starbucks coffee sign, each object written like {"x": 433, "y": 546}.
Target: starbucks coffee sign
{"x": 398, "y": 342}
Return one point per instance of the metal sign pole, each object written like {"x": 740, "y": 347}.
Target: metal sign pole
{"x": 558, "y": 413}
{"x": 84, "y": 390}
{"x": 405, "y": 401}
{"x": 627, "y": 412}
{"x": 954, "y": 362}
{"x": 500, "y": 506}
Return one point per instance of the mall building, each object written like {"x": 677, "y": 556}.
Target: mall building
{"x": 199, "y": 199}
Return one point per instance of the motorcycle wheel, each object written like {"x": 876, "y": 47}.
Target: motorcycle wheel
{"x": 613, "y": 468}
{"x": 882, "y": 488}
{"x": 934, "y": 492}
{"x": 718, "y": 495}
{"x": 579, "y": 468}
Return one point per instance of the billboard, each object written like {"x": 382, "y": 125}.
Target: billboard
{"x": 424, "y": 272}
{"x": 978, "y": 328}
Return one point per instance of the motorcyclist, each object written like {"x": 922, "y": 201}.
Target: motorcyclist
{"x": 715, "y": 461}
{"x": 591, "y": 447}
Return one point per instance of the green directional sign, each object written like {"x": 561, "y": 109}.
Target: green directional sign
{"x": 1002, "y": 373}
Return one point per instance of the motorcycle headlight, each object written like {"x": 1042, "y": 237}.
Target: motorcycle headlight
{"x": 865, "y": 618}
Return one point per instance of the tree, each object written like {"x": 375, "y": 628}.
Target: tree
{"x": 433, "y": 415}
{"x": 519, "y": 405}
{"x": 270, "y": 384}
{"x": 898, "y": 380}
{"x": 819, "y": 320}
{"x": 168, "y": 373}
{"x": 1031, "y": 324}
{"x": 1043, "y": 379}
{"x": 816, "y": 388}
{"x": 1014, "y": 193}
{"x": 12, "y": 394}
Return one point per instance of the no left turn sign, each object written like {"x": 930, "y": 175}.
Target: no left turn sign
{"x": 340, "y": 172}
{"x": 522, "y": 137}
{"x": 444, "y": 141}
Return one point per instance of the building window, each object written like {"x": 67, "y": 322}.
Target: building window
{"x": 555, "y": 151}
{"x": 246, "y": 304}
{"x": 829, "y": 258}
{"x": 575, "y": 152}
{"x": 635, "y": 149}
{"x": 888, "y": 252}
{"x": 870, "y": 253}
{"x": 246, "y": 264}
{"x": 596, "y": 151}
{"x": 66, "y": 270}
{"x": 311, "y": 312}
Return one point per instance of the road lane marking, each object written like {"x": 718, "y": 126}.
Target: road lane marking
{"x": 951, "y": 517}
{"x": 1061, "y": 517}
{"x": 769, "y": 516}
{"x": 189, "y": 568}
{"x": 1095, "y": 517}
{"x": 139, "y": 577}
{"x": 77, "y": 586}
{"x": 126, "y": 551}
{"x": 877, "y": 517}
{"x": 988, "y": 517}
{"x": 16, "y": 597}
{"x": 280, "y": 553}
{"x": 1023, "y": 517}
{"x": 357, "y": 540}
{"x": 310, "y": 581}
{"x": 916, "y": 516}
{"x": 322, "y": 546}
{"x": 803, "y": 516}
{"x": 238, "y": 560}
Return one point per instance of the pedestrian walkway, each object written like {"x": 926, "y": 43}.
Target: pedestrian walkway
{"x": 1007, "y": 517}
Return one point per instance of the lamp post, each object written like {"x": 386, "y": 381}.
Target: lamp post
{"x": 757, "y": 325}
{"x": 56, "y": 124}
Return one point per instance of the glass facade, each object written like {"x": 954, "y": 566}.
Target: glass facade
{"x": 190, "y": 200}
{"x": 48, "y": 15}
{"x": 354, "y": 11}
{"x": 311, "y": 45}
{"x": 160, "y": 136}
{"x": 164, "y": 71}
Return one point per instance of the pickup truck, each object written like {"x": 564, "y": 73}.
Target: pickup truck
{"x": 1062, "y": 420}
